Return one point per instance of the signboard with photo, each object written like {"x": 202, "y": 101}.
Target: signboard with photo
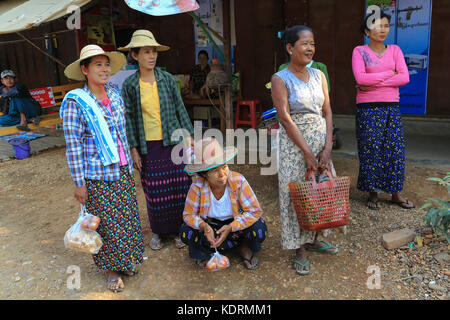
{"x": 410, "y": 29}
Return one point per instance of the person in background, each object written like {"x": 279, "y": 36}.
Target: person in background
{"x": 197, "y": 77}
{"x": 154, "y": 110}
{"x": 100, "y": 162}
{"x": 379, "y": 71}
{"x": 300, "y": 96}
{"x": 221, "y": 208}
{"x": 16, "y": 103}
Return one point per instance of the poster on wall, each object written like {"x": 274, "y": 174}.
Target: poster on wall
{"x": 410, "y": 30}
{"x": 97, "y": 28}
{"x": 210, "y": 13}
{"x": 100, "y": 31}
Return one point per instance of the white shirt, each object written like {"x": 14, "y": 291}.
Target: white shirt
{"x": 221, "y": 209}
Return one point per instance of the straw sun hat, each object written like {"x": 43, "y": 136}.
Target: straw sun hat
{"x": 116, "y": 60}
{"x": 143, "y": 38}
{"x": 212, "y": 155}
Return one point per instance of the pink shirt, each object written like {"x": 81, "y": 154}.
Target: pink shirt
{"x": 371, "y": 70}
{"x": 123, "y": 160}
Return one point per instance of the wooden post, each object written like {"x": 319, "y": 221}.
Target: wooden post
{"x": 227, "y": 53}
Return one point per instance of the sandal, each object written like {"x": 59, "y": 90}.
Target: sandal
{"x": 23, "y": 127}
{"x": 248, "y": 262}
{"x": 115, "y": 281}
{"x": 201, "y": 263}
{"x": 327, "y": 246}
{"x": 404, "y": 204}
{"x": 305, "y": 267}
{"x": 156, "y": 243}
{"x": 373, "y": 204}
{"x": 179, "y": 244}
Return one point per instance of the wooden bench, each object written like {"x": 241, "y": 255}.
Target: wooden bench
{"x": 50, "y": 115}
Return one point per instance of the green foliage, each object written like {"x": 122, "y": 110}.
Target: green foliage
{"x": 438, "y": 211}
{"x": 380, "y": 3}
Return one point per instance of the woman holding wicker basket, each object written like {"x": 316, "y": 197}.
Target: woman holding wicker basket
{"x": 300, "y": 95}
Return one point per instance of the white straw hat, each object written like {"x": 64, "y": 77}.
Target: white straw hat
{"x": 143, "y": 38}
{"x": 116, "y": 60}
{"x": 209, "y": 155}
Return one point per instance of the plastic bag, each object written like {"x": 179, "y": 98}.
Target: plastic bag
{"x": 217, "y": 262}
{"x": 80, "y": 239}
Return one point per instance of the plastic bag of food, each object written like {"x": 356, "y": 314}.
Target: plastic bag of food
{"x": 217, "y": 262}
{"x": 82, "y": 236}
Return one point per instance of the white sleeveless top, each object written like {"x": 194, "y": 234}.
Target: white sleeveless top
{"x": 221, "y": 209}
{"x": 304, "y": 97}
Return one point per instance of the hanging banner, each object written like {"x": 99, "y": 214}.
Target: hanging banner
{"x": 410, "y": 29}
{"x": 162, "y": 7}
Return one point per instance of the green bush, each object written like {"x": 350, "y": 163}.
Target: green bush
{"x": 438, "y": 215}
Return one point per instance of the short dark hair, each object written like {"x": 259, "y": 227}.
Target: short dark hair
{"x": 203, "y": 52}
{"x": 364, "y": 27}
{"x": 136, "y": 50}
{"x": 291, "y": 36}
{"x": 203, "y": 174}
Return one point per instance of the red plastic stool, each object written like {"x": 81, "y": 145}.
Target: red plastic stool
{"x": 243, "y": 109}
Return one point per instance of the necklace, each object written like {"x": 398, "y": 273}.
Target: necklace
{"x": 378, "y": 53}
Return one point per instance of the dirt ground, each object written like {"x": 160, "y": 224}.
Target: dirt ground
{"x": 37, "y": 207}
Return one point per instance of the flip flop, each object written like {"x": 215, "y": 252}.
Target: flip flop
{"x": 23, "y": 128}
{"x": 115, "y": 281}
{"x": 302, "y": 272}
{"x": 249, "y": 264}
{"x": 404, "y": 204}
{"x": 373, "y": 205}
{"x": 201, "y": 263}
{"x": 324, "y": 249}
{"x": 156, "y": 244}
{"x": 179, "y": 244}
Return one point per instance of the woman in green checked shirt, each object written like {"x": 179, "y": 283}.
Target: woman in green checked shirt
{"x": 154, "y": 110}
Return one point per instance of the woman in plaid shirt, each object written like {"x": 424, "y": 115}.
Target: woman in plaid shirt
{"x": 154, "y": 111}
{"x": 221, "y": 209}
{"x": 100, "y": 162}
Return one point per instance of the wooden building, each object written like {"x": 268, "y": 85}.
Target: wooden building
{"x": 258, "y": 52}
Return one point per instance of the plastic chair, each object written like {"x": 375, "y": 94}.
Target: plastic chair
{"x": 244, "y": 108}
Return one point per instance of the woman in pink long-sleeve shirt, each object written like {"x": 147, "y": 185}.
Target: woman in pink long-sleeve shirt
{"x": 379, "y": 70}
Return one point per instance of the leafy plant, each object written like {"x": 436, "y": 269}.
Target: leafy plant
{"x": 380, "y": 3}
{"x": 438, "y": 216}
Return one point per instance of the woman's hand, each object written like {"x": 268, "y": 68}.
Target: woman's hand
{"x": 223, "y": 232}
{"x": 311, "y": 161}
{"x": 324, "y": 158}
{"x": 137, "y": 164}
{"x": 81, "y": 194}
{"x": 364, "y": 88}
{"x": 209, "y": 233}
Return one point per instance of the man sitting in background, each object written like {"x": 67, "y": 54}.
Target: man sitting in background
{"x": 17, "y": 104}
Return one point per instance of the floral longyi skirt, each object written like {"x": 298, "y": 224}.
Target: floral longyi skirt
{"x": 115, "y": 202}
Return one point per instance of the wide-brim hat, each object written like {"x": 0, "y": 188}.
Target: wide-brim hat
{"x": 209, "y": 155}
{"x": 143, "y": 38}
{"x": 116, "y": 60}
